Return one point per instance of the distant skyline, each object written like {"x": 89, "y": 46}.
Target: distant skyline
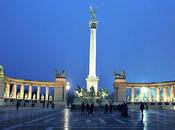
{"x": 38, "y": 37}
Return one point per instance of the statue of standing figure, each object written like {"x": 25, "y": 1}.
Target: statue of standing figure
{"x": 1, "y": 70}
{"x": 93, "y": 13}
{"x": 34, "y": 96}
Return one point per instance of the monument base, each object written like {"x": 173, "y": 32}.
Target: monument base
{"x": 95, "y": 100}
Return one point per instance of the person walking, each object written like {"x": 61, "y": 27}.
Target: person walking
{"x": 53, "y": 106}
{"x": 17, "y": 105}
{"x": 91, "y": 108}
{"x": 110, "y": 107}
{"x": 47, "y": 105}
{"x": 87, "y": 109}
{"x": 43, "y": 104}
{"x": 106, "y": 108}
{"x": 82, "y": 109}
{"x": 142, "y": 108}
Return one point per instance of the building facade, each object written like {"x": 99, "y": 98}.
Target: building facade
{"x": 12, "y": 89}
{"x": 152, "y": 92}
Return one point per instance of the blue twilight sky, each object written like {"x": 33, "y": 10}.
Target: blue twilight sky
{"x": 38, "y": 36}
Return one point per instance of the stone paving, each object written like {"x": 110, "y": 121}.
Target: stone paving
{"x": 48, "y": 119}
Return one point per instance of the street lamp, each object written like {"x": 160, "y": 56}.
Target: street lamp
{"x": 67, "y": 88}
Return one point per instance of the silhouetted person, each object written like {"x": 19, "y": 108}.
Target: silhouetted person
{"x": 106, "y": 108}
{"x": 87, "y": 109}
{"x": 47, "y": 105}
{"x": 110, "y": 107}
{"x": 24, "y": 104}
{"x": 33, "y": 104}
{"x": 53, "y": 106}
{"x": 17, "y": 105}
{"x": 43, "y": 105}
{"x": 142, "y": 108}
{"x": 82, "y": 109}
{"x": 121, "y": 109}
{"x": 91, "y": 108}
{"x": 146, "y": 106}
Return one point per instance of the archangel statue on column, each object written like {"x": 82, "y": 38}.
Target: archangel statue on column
{"x": 93, "y": 13}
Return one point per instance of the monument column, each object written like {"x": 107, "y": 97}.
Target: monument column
{"x": 22, "y": 91}
{"x": 157, "y": 94}
{"x": 47, "y": 92}
{"x": 30, "y": 92}
{"x": 132, "y": 94}
{"x": 14, "y": 90}
{"x": 38, "y": 92}
{"x": 92, "y": 79}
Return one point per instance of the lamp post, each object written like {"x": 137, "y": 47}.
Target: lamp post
{"x": 67, "y": 99}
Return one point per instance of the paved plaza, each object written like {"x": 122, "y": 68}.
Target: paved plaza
{"x": 60, "y": 118}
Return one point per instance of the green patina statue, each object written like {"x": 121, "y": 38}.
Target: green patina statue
{"x": 120, "y": 75}
{"x": 60, "y": 75}
{"x": 1, "y": 69}
{"x": 93, "y": 13}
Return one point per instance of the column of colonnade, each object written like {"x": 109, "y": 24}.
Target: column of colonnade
{"x": 157, "y": 94}
{"x": 38, "y": 92}
{"x": 22, "y": 91}
{"x": 172, "y": 93}
{"x": 13, "y": 93}
{"x": 132, "y": 94}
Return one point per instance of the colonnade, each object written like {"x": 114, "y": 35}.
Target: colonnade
{"x": 27, "y": 96}
{"x": 158, "y": 97}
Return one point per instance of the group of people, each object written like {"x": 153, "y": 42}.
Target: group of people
{"x": 52, "y": 105}
{"x": 123, "y": 108}
{"x": 108, "y": 108}
{"x": 89, "y": 109}
{"x": 33, "y": 105}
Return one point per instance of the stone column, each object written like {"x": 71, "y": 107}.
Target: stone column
{"x": 47, "y": 93}
{"x": 172, "y": 92}
{"x": 14, "y": 90}
{"x": 149, "y": 94}
{"x": 157, "y": 94}
{"x": 132, "y": 94}
{"x": 22, "y": 91}
{"x": 164, "y": 94}
{"x": 30, "y": 92}
{"x": 7, "y": 90}
{"x": 38, "y": 93}
{"x": 141, "y": 95}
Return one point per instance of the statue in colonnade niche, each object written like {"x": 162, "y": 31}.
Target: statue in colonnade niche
{"x": 42, "y": 97}
{"x": 34, "y": 96}
{"x": 26, "y": 96}
{"x": 18, "y": 96}
{"x": 11, "y": 95}
{"x": 50, "y": 98}
{"x": 5, "y": 95}
{"x": 173, "y": 99}
{"x": 136, "y": 98}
